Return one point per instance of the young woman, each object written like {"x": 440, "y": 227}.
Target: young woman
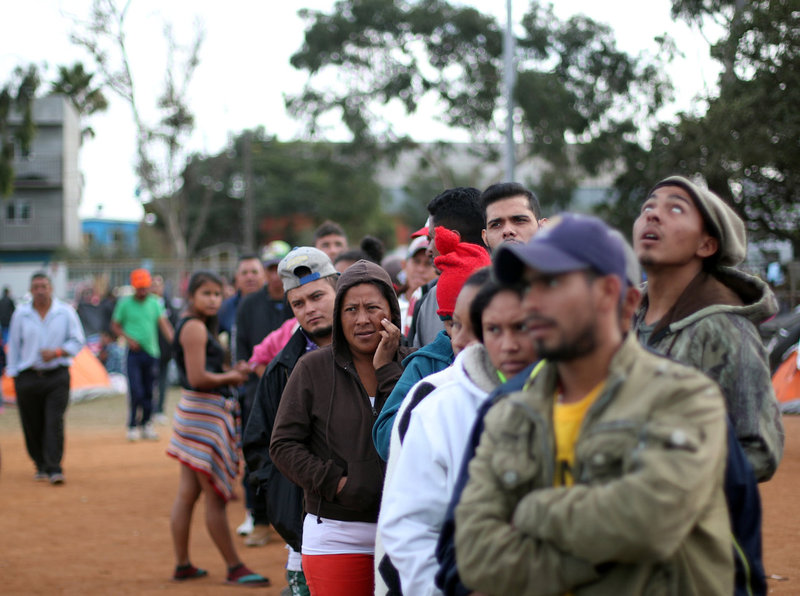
{"x": 206, "y": 432}
{"x": 416, "y": 497}
{"x": 322, "y": 439}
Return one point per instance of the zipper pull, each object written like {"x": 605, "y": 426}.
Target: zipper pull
{"x": 374, "y": 412}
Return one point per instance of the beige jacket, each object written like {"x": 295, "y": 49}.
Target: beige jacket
{"x": 647, "y": 514}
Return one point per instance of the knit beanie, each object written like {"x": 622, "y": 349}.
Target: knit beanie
{"x": 457, "y": 261}
{"x": 721, "y": 221}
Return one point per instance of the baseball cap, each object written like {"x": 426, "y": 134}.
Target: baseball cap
{"x": 273, "y": 252}
{"x": 570, "y": 242}
{"x": 140, "y": 278}
{"x": 303, "y": 265}
{"x": 417, "y": 244}
{"x": 423, "y": 231}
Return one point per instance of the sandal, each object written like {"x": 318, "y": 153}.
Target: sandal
{"x": 241, "y": 575}
{"x": 188, "y": 571}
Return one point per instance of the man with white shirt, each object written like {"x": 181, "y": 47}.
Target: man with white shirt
{"x": 43, "y": 338}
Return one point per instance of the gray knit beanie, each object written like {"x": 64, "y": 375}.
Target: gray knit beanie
{"x": 721, "y": 221}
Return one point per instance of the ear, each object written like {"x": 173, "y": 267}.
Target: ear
{"x": 543, "y": 222}
{"x": 609, "y": 292}
{"x": 708, "y": 247}
{"x": 630, "y": 303}
{"x": 483, "y": 236}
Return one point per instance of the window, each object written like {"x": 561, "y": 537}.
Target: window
{"x": 18, "y": 212}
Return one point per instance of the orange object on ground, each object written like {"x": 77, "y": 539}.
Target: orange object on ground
{"x": 86, "y": 372}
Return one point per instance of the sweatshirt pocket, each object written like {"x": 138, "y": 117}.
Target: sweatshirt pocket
{"x": 362, "y": 491}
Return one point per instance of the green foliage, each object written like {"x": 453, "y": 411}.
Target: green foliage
{"x": 16, "y": 99}
{"x": 76, "y": 83}
{"x": 746, "y": 144}
{"x": 159, "y": 146}
{"x": 296, "y": 186}
{"x": 578, "y": 95}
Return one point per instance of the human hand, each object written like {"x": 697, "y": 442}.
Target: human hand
{"x": 133, "y": 345}
{"x": 390, "y": 341}
{"x": 243, "y": 367}
{"x": 47, "y": 355}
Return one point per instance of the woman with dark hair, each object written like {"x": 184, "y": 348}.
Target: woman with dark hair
{"x": 425, "y": 470}
{"x": 206, "y": 432}
{"x": 322, "y": 439}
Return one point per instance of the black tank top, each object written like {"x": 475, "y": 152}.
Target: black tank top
{"x": 215, "y": 356}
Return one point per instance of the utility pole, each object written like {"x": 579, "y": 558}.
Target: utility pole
{"x": 509, "y": 79}
{"x": 248, "y": 217}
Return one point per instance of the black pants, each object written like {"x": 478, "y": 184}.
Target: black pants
{"x": 42, "y": 399}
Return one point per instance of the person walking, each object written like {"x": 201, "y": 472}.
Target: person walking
{"x": 206, "y": 433}
{"x": 138, "y": 319}
{"x": 43, "y": 338}
{"x": 322, "y": 438}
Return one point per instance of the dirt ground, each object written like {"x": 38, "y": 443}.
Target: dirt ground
{"x": 106, "y": 531}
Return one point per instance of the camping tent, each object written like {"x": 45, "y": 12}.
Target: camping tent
{"x": 786, "y": 382}
{"x": 88, "y": 378}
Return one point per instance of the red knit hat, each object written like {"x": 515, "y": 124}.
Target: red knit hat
{"x": 457, "y": 261}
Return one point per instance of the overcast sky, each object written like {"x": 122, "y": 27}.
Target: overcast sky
{"x": 245, "y": 71}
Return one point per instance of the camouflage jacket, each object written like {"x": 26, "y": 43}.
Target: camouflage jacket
{"x": 713, "y": 327}
{"x": 647, "y": 513}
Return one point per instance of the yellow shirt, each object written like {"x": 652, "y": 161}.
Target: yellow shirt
{"x": 567, "y": 420}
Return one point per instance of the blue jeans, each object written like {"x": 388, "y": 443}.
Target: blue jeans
{"x": 141, "y": 376}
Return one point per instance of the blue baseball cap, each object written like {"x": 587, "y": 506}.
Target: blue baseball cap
{"x": 570, "y": 242}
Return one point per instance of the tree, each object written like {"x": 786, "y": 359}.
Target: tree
{"x": 745, "y": 144}
{"x": 160, "y": 156}
{"x": 295, "y": 186}
{"x": 16, "y": 96}
{"x": 578, "y": 95}
{"x": 76, "y": 83}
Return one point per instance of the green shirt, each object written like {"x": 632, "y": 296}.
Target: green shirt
{"x": 139, "y": 320}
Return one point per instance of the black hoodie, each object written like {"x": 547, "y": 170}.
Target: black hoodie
{"x": 324, "y": 423}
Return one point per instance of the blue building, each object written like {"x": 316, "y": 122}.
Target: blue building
{"x": 110, "y": 237}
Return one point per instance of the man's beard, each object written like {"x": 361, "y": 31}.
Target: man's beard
{"x": 321, "y": 332}
{"x": 584, "y": 342}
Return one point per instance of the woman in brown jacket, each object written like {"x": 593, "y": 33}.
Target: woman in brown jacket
{"x": 322, "y": 435}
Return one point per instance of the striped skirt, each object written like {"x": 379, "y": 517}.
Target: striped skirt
{"x": 206, "y": 437}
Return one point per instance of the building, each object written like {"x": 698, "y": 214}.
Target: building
{"x": 104, "y": 237}
{"x": 41, "y": 215}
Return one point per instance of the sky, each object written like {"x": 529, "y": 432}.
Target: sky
{"x": 244, "y": 71}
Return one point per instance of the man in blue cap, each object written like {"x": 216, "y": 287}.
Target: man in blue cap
{"x": 604, "y": 475}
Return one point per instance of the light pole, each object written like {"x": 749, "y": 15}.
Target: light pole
{"x": 509, "y": 79}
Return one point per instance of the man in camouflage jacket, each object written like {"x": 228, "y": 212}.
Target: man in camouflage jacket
{"x": 701, "y": 311}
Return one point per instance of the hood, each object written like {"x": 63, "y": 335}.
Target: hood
{"x": 726, "y": 290}
{"x": 473, "y": 366}
{"x": 440, "y": 349}
{"x": 358, "y": 273}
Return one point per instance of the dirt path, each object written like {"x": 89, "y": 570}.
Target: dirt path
{"x": 106, "y": 531}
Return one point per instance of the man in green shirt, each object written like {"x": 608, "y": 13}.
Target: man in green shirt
{"x": 137, "y": 318}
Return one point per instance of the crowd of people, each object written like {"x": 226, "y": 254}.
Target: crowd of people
{"x": 509, "y": 408}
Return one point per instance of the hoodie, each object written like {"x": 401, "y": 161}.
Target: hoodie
{"x": 713, "y": 327}
{"x": 323, "y": 426}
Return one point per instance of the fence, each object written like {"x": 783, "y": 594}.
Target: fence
{"x": 105, "y": 274}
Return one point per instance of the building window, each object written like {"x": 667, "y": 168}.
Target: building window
{"x": 18, "y": 212}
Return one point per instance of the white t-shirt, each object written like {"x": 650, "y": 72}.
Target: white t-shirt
{"x": 323, "y": 536}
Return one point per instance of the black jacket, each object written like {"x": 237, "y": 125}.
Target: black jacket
{"x": 284, "y": 498}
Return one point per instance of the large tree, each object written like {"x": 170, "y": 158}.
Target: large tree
{"x": 577, "y": 93}
{"x": 745, "y": 145}
{"x": 16, "y": 97}
{"x": 160, "y": 154}
{"x": 295, "y": 186}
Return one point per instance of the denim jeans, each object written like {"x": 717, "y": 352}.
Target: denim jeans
{"x": 141, "y": 376}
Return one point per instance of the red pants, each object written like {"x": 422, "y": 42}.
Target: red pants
{"x": 339, "y": 575}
